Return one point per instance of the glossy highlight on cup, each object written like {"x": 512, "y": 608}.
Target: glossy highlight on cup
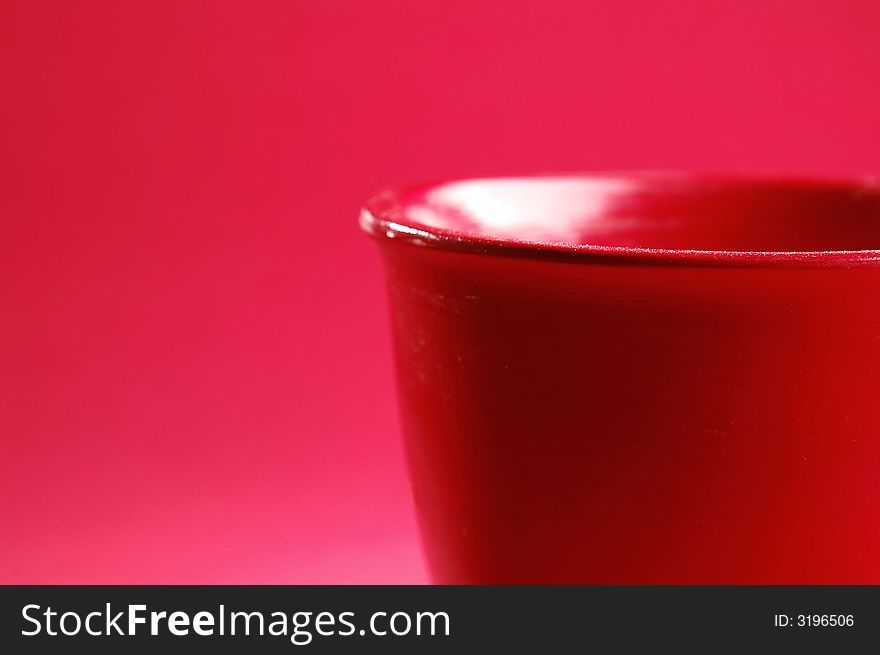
{"x": 639, "y": 378}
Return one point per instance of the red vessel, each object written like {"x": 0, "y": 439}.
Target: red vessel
{"x": 639, "y": 378}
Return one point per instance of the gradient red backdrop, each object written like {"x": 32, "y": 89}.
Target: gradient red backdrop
{"x": 195, "y": 380}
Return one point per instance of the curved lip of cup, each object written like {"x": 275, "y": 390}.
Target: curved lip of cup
{"x": 389, "y": 217}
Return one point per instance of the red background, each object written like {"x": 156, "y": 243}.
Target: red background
{"x": 195, "y": 380}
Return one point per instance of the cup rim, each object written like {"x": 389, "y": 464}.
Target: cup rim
{"x": 384, "y": 217}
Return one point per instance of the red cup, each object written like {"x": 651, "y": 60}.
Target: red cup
{"x": 639, "y": 378}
